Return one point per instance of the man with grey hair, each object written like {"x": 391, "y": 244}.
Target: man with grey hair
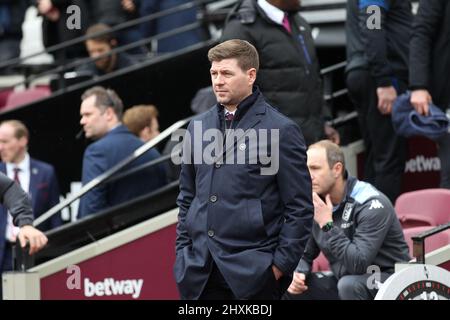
{"x": 101, "y": 116}
{"x": 355, "y": 226}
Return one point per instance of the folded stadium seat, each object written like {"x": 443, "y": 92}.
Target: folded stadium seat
{"x": 4, "y": 94}
{"x": 432, "y": 243}
{"x": 428, "y": 207}
{"x": 320, "y": 264}
{"x": 18, "y": 98}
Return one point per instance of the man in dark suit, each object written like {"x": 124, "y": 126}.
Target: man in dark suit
{"x": 101, "y": 114}
{"x": 37, "y": 178}
{"x": 242, "y": 225}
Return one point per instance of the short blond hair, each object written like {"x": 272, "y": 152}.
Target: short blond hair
{"x": 333, "y": 152}
{"x": 20, "y": 130}
{"x": 138, "y": 117}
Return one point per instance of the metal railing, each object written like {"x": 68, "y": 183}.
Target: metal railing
{"x": 108, "y": 176}
{"x": 419, "y": 241}
{"x": 120, "y": 27}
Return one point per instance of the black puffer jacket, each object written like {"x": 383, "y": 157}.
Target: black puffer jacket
{"x": 430, "y": 51}
{"x": 289, "y": 73}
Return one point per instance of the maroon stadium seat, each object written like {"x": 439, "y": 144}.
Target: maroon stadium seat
{"x": 429, "y": 207}
{"x": 320, "y": 264}
{"x": 19, "y": 98}
{"x": 4, "y": 94}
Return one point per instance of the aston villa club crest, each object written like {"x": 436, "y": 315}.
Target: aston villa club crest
{"x": 347, "y": 211}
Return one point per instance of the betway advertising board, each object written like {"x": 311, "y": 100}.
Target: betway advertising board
{"x": 422, "y": 165}
{"x": 136, "y": 270}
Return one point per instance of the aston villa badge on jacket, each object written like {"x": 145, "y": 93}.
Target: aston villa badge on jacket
{"x": 347, "y": 211}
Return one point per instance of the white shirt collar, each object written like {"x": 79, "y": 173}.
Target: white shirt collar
{"x": 274, "y": 13}
{"x": 232, "y": 112}
{"x": 24, "y": 165}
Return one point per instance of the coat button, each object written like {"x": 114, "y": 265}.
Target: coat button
{"x": 218, "y": 165}
{"x": 213, "y": 199}
{"x": 210, "y": 233}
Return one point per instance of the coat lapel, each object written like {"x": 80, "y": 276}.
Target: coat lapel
{"x": 248, "y": 121}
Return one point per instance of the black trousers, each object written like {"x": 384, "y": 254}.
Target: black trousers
{"x": 217, "y": 288}
{"x": 385, "y": 150}
{"x": 328, "y": 287}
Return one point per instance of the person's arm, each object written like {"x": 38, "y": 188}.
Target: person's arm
{"x": 299, "y": 283}
{"x": 312, "y": 251}
{"x": 94, "y": 164}
{"x": 19, "y": 206}
{"x": 186, "y": 195}
{"x": 294, "y": 184}
{"x": 425, "y": 28}
{"x": 375, "y": 44}
{"x": 372, "y": 224}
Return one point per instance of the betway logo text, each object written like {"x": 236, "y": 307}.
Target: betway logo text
{"x": 111, "y": 287}
{"x": 422, "y": 164}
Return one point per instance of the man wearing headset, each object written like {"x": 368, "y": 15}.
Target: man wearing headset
{"x": 101, "y": 115}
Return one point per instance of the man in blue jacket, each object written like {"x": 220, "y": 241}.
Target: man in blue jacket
{"x": 243, "y": 221}
{"x": 101, "y": 114}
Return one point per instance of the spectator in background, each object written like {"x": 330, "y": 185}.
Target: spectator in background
{"x": 114, "y": 12}
{"x": 54, "y": 26}
{"x": 289, "y": 76}
{"x": 101, "y": 45}
{"x": 355, "y": 226}
{"x": 377, "y": 71}
{"x": 37, "y": 178}
{"x": 170, "y": 22}
{"x": 142, "y": 121}
{"x": 12, "y": 14}
{"x": 430, "y": 68}
{"x": 101, "y": 115}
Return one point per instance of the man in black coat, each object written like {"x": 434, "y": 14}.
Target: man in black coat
{"x": 430, "y": 68}
{"x": 378, "y": 32}
{"x": 246, "y": 212}
{"x": 289, "y": 76}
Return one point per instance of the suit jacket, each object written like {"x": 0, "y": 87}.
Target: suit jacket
{"x": 104, "y": 154}
{"x": 243, "y": 220}
{"x": 44, "y": 193}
